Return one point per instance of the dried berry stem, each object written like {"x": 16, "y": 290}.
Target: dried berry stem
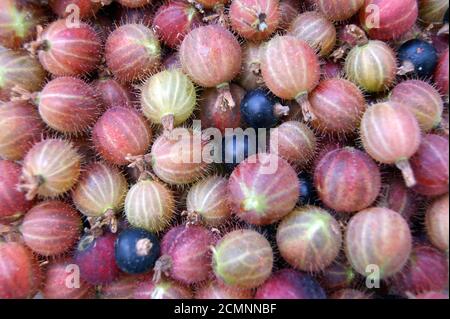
{"x": 405, "y": 68}
{"x": 303, "y": 101}
{"x": 357, "y": 35}
{"x": 224, "y": 100}
{"x": 162, "y": 266}
{"x": 281, "y": 110}
{"x": 30, "y": 184}
{"x": 407, "y": 172}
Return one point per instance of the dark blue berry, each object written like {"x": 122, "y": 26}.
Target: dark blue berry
{"x": 136, "y": 251}
{"x": 236, "y": 148}
{"x": 421, "y": 54}
{"x": 257, "y": 109}
{"x": 308, "y": 195}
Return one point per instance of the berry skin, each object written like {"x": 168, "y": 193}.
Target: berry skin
{"x": 338, "y": 10}
{"x": 69, "y": 105}
{"x": 395, "y": 18}
{"x": 308, "y": 194}
{"x": 186, "y": 250}
{"x": 64, "y": 50}
{"x": 51, "y": 228}
{"x": 13, "y": 203}
{"x": 121, "y": 132}
{"x": 441, "y": 73}
{"x": 418, "y": 56}
{"x": 136, "y": 251}
{"x": 243, "y": 259}
{"x": 50, "y": 168}
{"x": 149, "y": 205}
{"x": 20, "y": 274}
{"x": 290, "y": 284}
{"x": 261, "y": 196}
{"x": 322, "y": 37}
{"x": 132, "y": 51}
{"x": 347, "y": 180}
{"x": 436, "y": 221}
{"x": 96, "y": 259}
{"x": 20, "y": 71}
{"x": 258, "y": 109}
{"x": 20, "y": 128}
{"x": 18, "y": 21}
{"x": 309, "y": 238}
{"x": 378, "y": 237}
{"x": 209, "y": 199}
{"x": 55, "y": 284}
{"x": 372, "y": 66}
{"x": 430, "y": 165}
{"x": 101, "y": 188}
{"x": 174, "y": 20}
{"x": 424, "y": 101}
{"x": 254, "y": 20}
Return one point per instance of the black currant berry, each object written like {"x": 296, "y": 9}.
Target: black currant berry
{"x": 418, "y": 57}
{"x": 236, "y": 148}
{"x": 260, "y": 110}
{"x": 307, "y": 190}
{"x": 136, "y": 251}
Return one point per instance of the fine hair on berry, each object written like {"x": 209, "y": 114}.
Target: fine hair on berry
{"x": 338, "y": 10}
{"x": 423, "y": 99}
{"x": 436, "y": 221}
{"x": 186, "y": 254}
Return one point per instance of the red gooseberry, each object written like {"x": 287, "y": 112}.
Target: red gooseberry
{"x": 20, "y": 275}
{"x": 119, "y": 133}
{"x": 315, "y": 29}
{"x": 394, "y": 18}
{"x": 132, "y": 51}
{"x": 174, "y": 20}
{"x": 20, "y": 127}
{"x": 254, "y": 20}
{"x": 58, "y": 284}
{"x": 347, "y": 180}
{"x": 65, "y": 50}
{"x": 291, "y": 70}
{"x": 391, "y": 134}
{"x": 51, "y": 228}
{"x": 50, "y": 168}
{"x": 378, "y": 240}
{"x": 430, "y": 165}
{"x": 262, "y": 197}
